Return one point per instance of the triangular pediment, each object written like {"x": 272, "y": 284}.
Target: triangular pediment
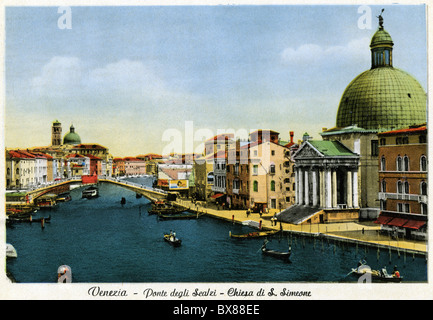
{"x": 307, "y": 151}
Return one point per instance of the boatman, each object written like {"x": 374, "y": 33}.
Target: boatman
{"x": 396, "y": 273}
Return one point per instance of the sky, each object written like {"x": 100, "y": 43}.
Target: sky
{"x": 155, "y": 79}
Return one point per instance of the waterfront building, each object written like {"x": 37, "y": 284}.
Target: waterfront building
{"x": 98, "y": 151}
{"x": 134, "y": 166}
{"x": 237, "y": 176}
{"x": 78, "y": 165}
{"x": 118, "y": 167}
{"x": 402, "y": 164}
{"x": 220, "y": 176}
{"x": 219, "y": 142}
{"x": 203, "y": 177}
{"x": 20, "y": 167}
{"x": 380, "y": 99}
{"x": 174, "y": 177}
{"x": 152, "y": 161}
{"x": 269, "y": 171}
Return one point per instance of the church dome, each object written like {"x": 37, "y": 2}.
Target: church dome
{"x": 71, "y": 137}
{"x": 384, "y": 97}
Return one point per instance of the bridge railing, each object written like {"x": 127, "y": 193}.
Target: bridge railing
{"x": 133, "y": 184}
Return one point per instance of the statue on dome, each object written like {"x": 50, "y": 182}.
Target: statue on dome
{"x": 381, "y": 19}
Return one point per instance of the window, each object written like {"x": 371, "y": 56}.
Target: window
{"x": 273, "y": 203}
{"x": 406, "y": 187}
{"x": 383, "y": 163}
{"x": 406, "y": 163}
{"x": 374, "y": 148}
{"x": 399, "y": 187}
{"x": 383, "y": 142}
{"x": 422, "y": 139}
{"x": 383, "y": 186}
{"x": 399, "y": 164}
{"x": 407, "y": 207}
{"x": 255, "y": 186}
{"x": 423, "y": 163}
{"x": 423, "y": 188}
{"x": 273, "y": 152}
{"x": 272, "y": 185}
{"x": 255, "y": 169}
{"x": 272, "y": 169}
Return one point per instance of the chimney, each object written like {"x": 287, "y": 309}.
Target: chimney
{"x": 291, "y": 136}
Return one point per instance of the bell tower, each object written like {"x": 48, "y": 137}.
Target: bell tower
{"x": 56, "y": 133}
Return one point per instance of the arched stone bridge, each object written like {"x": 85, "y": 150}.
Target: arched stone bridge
{"x": 148, "y": 192}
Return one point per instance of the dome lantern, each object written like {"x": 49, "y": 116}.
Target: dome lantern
{"x": 381, "y": 47}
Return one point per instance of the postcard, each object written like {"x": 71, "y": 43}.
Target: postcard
{"x": 186, "y": 152}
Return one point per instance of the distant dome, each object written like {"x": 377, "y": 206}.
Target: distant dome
{"x": 383, "y": 97}
{"x": 72, "y": 137}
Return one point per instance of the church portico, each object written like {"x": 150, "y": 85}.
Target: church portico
{"x": 326, "y": 175}
{"x": 327, "y": 186}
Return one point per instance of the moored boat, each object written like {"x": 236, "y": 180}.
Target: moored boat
{"x": 171, "y": 238}
{"x": 10, "y": 251}
{"x": 64, "y": 197}
{"x": 90, "y": 192}
{"x": 161, "y": 207}
{"x": 276, "y": 254}
{"x": 27, "y": 219}
{"x": 376, "y": 275}
{"x": 254, "y": 234}
{"x": 179, "y": 216}
{"x": 46, "y": 201}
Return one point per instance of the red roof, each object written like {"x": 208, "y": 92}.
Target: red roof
{"x": 406, "y": 130}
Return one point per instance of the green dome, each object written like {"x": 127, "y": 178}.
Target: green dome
{"x": 72, "y": 137}
{"x": 382, "y": 98}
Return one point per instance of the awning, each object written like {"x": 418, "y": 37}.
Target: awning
{"x": 397, "y": 222}
{"x": 216, "y": 196}
{"x": 414, "y": 224}
{"x": 383, "y": 219}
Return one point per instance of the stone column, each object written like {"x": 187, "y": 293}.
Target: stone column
{"x": 297, "y": 185}
{"x": 355, "y": 189}
{"x": 328, "y": 189}
{"x": 322, "y": 202}
{"x": 314, "y": 177}
{"x": 334, "y": 188}
{"x": 306, "y": 186}
{"x": 349, "y": 194}
{"x": 300, "y": 187}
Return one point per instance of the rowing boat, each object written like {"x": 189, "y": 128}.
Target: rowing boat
{"x": 254, "y": 234}
{"x": 170, "y": 238}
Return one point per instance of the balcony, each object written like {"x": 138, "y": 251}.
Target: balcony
{"x": 403, "y": 196}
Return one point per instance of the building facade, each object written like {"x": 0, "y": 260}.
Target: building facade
{"x": 403, "y": 158}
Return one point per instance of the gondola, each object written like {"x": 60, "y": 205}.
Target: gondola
{"x": 171, "y": 238}
{"x": 254, "y": 234}
{"x": 27, "y": 219}
{"x": 276, "y": 254}
{"x": 179, "y": 216}
{"x": 160, "y": 207}
{"x": 376, "y": 275}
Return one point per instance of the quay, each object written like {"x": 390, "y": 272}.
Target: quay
{"x": 355, "y": 233}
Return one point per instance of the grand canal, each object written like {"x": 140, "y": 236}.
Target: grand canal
{"x": 103, "y": 241}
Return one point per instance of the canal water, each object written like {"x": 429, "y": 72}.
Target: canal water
{"x": 103, "y": 241}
